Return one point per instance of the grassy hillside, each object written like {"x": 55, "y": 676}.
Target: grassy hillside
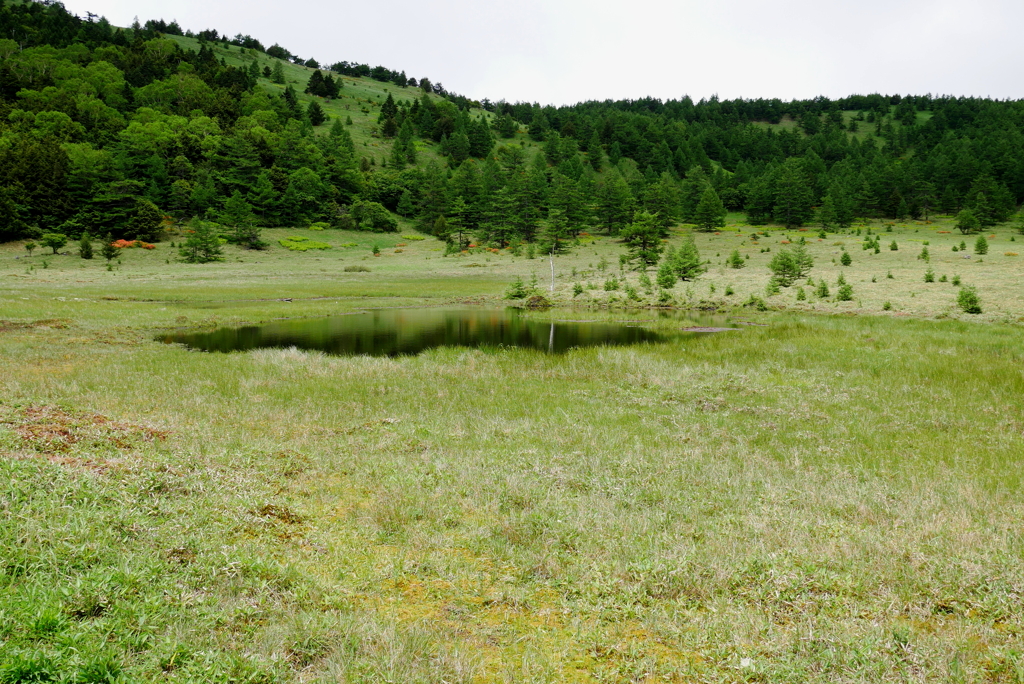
{"x": 360, "y": 98}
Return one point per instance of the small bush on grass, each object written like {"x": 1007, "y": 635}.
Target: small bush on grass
{"x": 756, "y": 302}
{"x": 518, "y": 289}
{"x": 845, "y": 291}
{"x": 301, "y": 244}
{"x": 968, "y": 300}
{"x": 85, "y": 246}
{"x": 54, "y": 240}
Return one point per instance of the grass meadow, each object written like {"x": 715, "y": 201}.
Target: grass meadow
{"x": 830, "y": 493}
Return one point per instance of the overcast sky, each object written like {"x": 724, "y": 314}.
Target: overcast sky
{"x": 565, "y": 51}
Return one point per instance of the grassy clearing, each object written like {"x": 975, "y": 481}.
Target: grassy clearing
{"x": 814, "y": 498}
{"x": 408, "y": 267}
{"x": 864, "y": 131}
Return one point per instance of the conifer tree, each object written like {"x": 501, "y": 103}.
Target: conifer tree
{"x": 793, "y": 197}
{"x": 827, "y": 212}
{"x": 710, "y": 212}
{"x": 538, "y": 128}
{"x": 331, "y": 87}
{"x": 265, "y": 199}
{"x": 787, "y": 266}
{"x": 237, "y": 210}
{"x": 202, "y": 245}
{"x": 662, "y": 199}
{"x": 315, "y": 85}
{"x": 388, "y": 110}
{"x": 85, "y": 246}
{"x": 405, "y": 137}
{"x": 760, "y": 200}
{"x": 433, "y": 196}
{"x": 566, "y": 199}
{"x": 666, "y": 278}
{"x": 405, "y": 206}
{"x": 614, "y": 202}
{"x": 480, "y": 140}
{"x": 595, "y": 153}
{"x": 557, "y": 231}
{"x": 108, "y": 251}
{"x": 291, "y": 101}
{"x": 315, "y": 113}
{"x": 983, "y": 211}
{"x": 687, "y": 264}
{"x": 337, "y": 129}
{"x": 277, "y": 75}
{"x": 643, "y": 240}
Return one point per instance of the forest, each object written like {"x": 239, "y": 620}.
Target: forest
{"x": 122, "y": 132}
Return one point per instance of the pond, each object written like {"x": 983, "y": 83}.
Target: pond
{"x": 396, "y": 332}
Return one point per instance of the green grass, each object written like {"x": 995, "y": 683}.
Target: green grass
{"x": 819, "y": 497}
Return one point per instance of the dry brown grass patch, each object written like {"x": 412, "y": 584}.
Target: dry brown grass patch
{"x": 52, "y": 430}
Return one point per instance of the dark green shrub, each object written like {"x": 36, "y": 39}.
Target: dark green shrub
{"x": 969, "y": 301}
{"x": 518, "y": 289}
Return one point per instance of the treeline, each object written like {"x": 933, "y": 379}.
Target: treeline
{"x": 118, "y": 131}
{"x": 924, "y": 153}
{"x": 599, "y": 163}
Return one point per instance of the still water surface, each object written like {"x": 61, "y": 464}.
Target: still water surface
{"x": 394, "y": 332}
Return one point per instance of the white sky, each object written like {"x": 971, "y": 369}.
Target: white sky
{"x": 565, "y": 51}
